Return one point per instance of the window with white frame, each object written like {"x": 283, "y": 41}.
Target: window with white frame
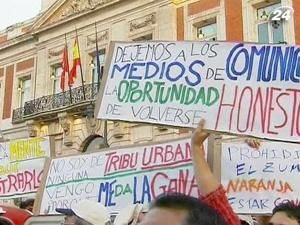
{"x": 24, "y": 90}
{"x": 55, "y": 77}
{"x": 96, "y": 78}
{"x": 266, "y": 32}
{"x": 147, "y": 37}
{"x": 206, "y": 30}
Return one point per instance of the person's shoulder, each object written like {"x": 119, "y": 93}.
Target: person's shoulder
{"x": 15, "y": 215}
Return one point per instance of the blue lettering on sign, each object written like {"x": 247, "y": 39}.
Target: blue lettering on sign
{"x": 274, "y": 63}
{"x": 269, "y": 167}
{"x": 172, "y": 72}
{"x": 295, "y": 167}
{"x": 146, "y": 190}
{"x": 240, "y": 169}
{"x": 135, "y": 201}
{"x": 145, "y": 194}
{"x": 108, "y": 189}
{"x": 180, "y": 68}
{"x": 253, "y": 203}
{"x": 194, "y": 72}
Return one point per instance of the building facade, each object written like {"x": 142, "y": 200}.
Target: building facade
{"x": 31, "y": 101}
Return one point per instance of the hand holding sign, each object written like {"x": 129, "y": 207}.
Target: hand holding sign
{"x": 253, "y": 143}
{"x": 206, "y": 180}
{"x": 199, "y": 136}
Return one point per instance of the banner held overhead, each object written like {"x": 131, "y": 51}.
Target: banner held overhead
{"x": 247, "y": 89}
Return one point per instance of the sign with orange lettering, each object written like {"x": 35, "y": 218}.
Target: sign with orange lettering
{"x": 258, "y": 180}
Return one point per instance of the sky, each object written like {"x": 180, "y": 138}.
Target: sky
{"x": 14, "y": 11}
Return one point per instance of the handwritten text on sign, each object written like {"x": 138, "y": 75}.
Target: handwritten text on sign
{"x": 238, "y": 88}
{"x": 21, "y": 166}
{"x": 257, "y": 181}
{"x": 119, "y": 178}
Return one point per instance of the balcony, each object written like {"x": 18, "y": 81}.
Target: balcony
{"x": 44, "y": 107}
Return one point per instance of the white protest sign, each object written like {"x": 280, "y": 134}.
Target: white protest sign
{"x": 21, "y": 166}
{"x": 118, "y": 178}
{"x": 257, "y": 181}
{"x": 237, "y": 88}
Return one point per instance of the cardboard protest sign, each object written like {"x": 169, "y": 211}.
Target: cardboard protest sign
{"x": 257, "y": 181}
{"x": 119, "y": 177}
{"x": 238, "y": 88}
{"x": 21, "y": 166}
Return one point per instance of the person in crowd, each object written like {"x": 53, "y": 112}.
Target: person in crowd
{"x": 131, "y": 215}
{"x": 286, "y": 214}
{"x": 27, "y": 205}
{"x": 246, "y": 220}
{"x": 179, "y": 209}
{"x": 85, "y": 212}
{"x": 262, "y": 220}
{"x": 213, "y": 192}
{"x": 12, "y": 215}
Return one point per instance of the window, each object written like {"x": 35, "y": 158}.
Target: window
{"x": 147, "y": 37}
{"x": 55, "y": 76}
{"x": 95, "y": 143}
{"x": 24, "y": 89}
{"x": 266, "y": 32}
{"x": 95, "y": 76}
{"x": 206, "y": 30}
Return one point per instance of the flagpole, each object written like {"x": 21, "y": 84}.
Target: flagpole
{"x": 105, "y": 134}
{"x": 98, "y": 83}
{"x": 82, "y": 81}
{"x": 97, "y": 59}
{"x": 70, "y": 90}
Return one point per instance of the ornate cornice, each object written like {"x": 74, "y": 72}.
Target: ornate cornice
{"x": 75, "y": 7}
{"x": 101, "y": 37}
{"x": 54, "y": 52}
{"x": 142, "y": 22}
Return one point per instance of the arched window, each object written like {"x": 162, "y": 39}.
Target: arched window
{"x": 94, "y": 143}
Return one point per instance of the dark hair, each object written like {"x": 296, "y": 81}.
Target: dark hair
{"x": 290, "y": 209}
{"x": 4, "y": 221}
{"x": 25, "y": 204}
{"x": 198, "y": 212}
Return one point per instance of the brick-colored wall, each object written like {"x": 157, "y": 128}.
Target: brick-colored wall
{"x": 202, "y": 5}
{"x": 26, "y": 64}
{"x": 26, "y": 29}
{"x": 3, "y": 39}
{"x": 1, "y": 72}
{"x": 234, "y": 20}
{"x": 9, "y": 79}
{"x": 180, "y": 24}
{"x": 296, "y": 6}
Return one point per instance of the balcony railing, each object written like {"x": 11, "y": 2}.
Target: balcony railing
{"x": 56, "y": 102}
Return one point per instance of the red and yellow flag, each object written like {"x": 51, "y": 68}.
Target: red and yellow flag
{"x": 76, "y": 63}
{"x": 65, "y": 68}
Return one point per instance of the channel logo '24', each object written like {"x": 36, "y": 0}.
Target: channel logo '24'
{"x": 282, "y": 13}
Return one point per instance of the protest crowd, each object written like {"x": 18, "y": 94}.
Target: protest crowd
{"x": 212, "y": 208}
{"x": 236, "y": 163}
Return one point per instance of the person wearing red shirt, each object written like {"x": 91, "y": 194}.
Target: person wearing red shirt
{"x": 13, "y": 216}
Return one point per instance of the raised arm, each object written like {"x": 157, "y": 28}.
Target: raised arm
{"x": 206, "y": 181}
{"x": 213, "y": 192}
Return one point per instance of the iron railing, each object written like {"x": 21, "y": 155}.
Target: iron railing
{"x": 56, "y": 101}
